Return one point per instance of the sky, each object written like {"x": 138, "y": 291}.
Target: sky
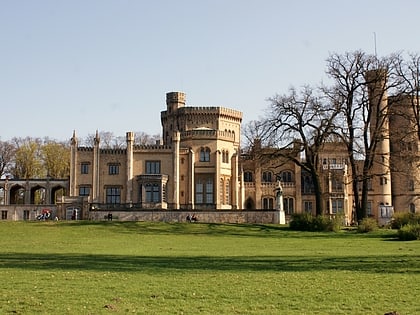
{"x": 106, "y": 65}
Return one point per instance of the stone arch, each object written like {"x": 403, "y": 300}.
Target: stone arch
{"x": 38, "y": 195}
{"x": 249, "y": 204}
{"x": 17, "y": 194}
{"x": 56, "y": 193}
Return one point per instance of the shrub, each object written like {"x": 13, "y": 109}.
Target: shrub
{"x": 307, "y": 222}
{"x": 409, "y": 232}
{"x": 403, "y": 218}
{"x": 367, "y": 225}
{"x": 301, "y": 221}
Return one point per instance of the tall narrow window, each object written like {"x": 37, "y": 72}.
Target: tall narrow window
{"x": 84, "y": 168}
{"x": 204, "y": 155}
{"x": 113, "y": 195}
{"x": 113, "y": 169}
{"x": 152, "y": 193}
{"x": 288, "y": 205}
{"x": 204, "y": 191}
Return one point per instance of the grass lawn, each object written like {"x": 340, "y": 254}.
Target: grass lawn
{"x": 160, "y": 268}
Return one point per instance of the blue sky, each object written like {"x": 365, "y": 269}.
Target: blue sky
{"x": 106, "y": 65}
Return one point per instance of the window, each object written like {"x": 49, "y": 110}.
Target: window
{"x": 113, "y": 169}
{"x": 26, "y": 215}
{"x": 227, "y": 191}
{"x": 412, "y": 208}
{"x": 4, "y": 214}
{"x": 307, "y": 206}
{"x": 84, "y": 191}
{"x": 268, "y": 203}
{"x": 113, "y": 195}
{"x": 152, "y": 167}
{"x": 152, "y": 193}
{"x": 84, "y": 168}
{"x": 204, "y": 155}
{"x": 337, "y": 183}
{"x": 266, "y": 177}
{"x": 286, "y": 177}
{"x": 383, "y": 181}
{"x": 248, "y": 176}
{"x": 337, "y": 206}
{"x": 225, "y": 156}
{"x": 307, "y": 184}
{"x": 411, "y": 185}
{"x": 288, "y": 205}
{"x": 369, "y": 209}
{"x": 204, "y": 191}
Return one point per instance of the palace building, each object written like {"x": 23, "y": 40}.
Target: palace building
{"x": 198, "y": 166}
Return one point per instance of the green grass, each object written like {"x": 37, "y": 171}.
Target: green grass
{"x": 160, "y": 268}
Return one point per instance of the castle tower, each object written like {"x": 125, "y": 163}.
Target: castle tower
{"x": 174, "y": 101}
{"x": 379, "y": 131}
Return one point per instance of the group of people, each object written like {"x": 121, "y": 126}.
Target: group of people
{"x": 192, "y": 218}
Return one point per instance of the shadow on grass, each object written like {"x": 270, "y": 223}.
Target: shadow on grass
{"x": 218, "y": 229}
{"x": 124, "y": 263}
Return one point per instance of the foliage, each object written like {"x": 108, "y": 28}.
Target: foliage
{"x": 367, "y": 225}
{"x": 56, "y": 159}
{"x": 159, "y": 268}
{"x": 319, "y": 223}
{"x": 409, "y": 232}
{"x": 401, "y": 219}
{"x": 7, "y": 152}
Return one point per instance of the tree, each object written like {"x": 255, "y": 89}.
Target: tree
{"x": 361, "y": 83}
{"x": 299, "y": 123}
{"x": 56, "y": 159}
{"x": 7, "y": 154}
{"x": 27, "y": 162}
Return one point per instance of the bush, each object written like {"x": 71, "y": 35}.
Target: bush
{"x": 409, "y": 232}
{"x": 367, "y": 225}
{"x": 320, "y": 223}
{"x": 401, "y": 219}
{"x": 301, "y": 221}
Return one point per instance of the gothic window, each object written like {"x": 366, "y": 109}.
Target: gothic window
{"x": 412, "y": 208}
{"x": 268, "y": 203}
{"x": 266, "y": 176}
{"x": 288, "y": 205}
{"x": 204, "y": 155}
{"x": 411, "y": 185}
{"x": 286, "y": 177}
{"x": 307, "y": 206}
{"x": 248, "y": 177}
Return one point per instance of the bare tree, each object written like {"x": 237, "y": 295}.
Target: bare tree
{"x": 361, "y": 83}
{"x": 7, "y": 154}
{"x": 300, "y": 123}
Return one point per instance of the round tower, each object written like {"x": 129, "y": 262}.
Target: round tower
{"x": 379, "y": 132}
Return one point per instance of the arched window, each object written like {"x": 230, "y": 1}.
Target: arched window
{"x": 204, "y": 155}
{"x": 286, "y": 177}
{"x": 248, "y": 177}
{"x": 268, "y": 203}
{"x": 266, "y": 176}
{"x": 288, "y": 205}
